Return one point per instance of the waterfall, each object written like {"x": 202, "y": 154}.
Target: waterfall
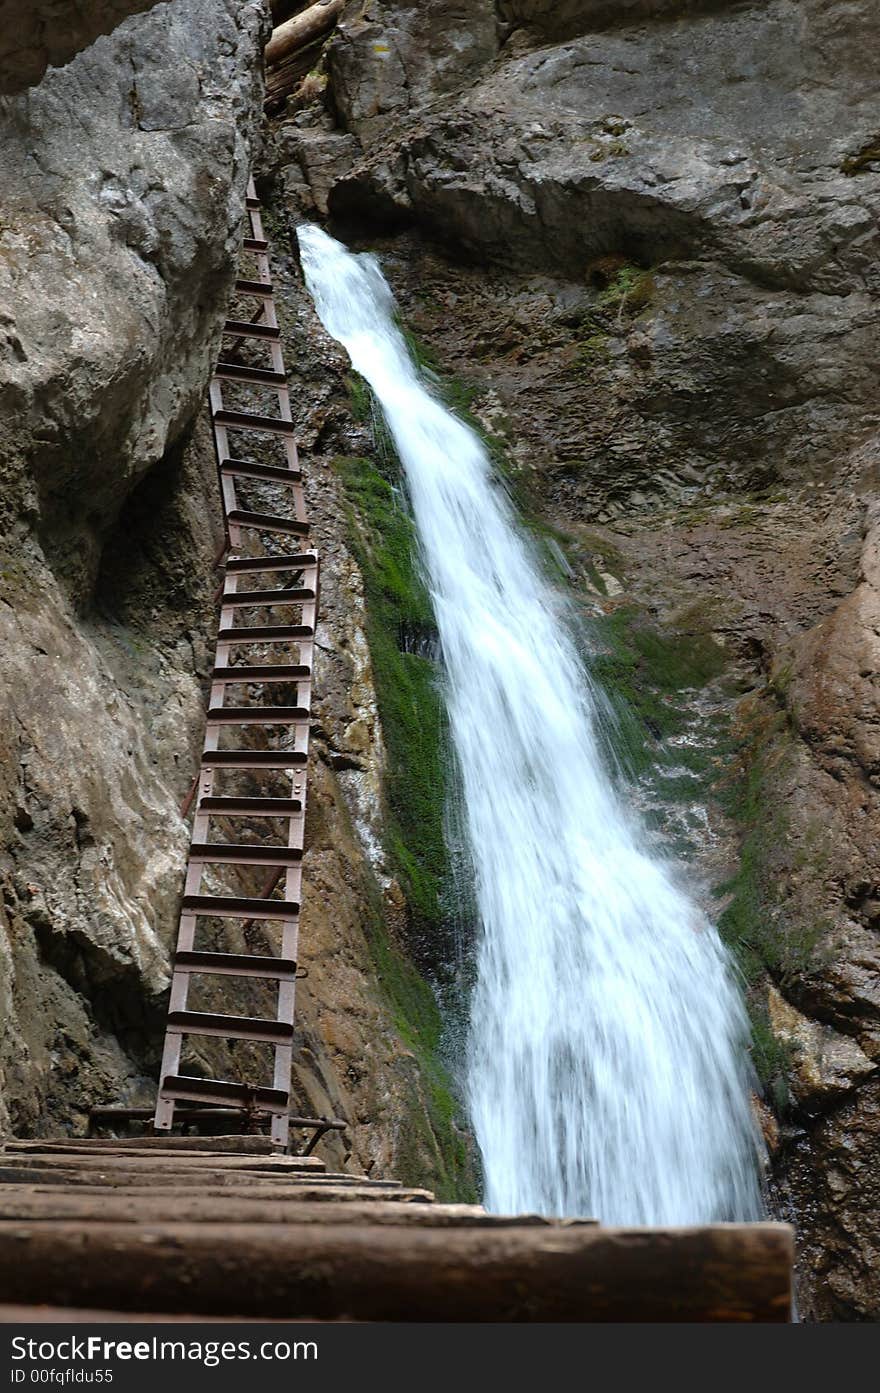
{"x": 607, "y": 1067}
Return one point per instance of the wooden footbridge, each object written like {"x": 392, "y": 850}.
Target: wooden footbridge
{"x": 154, "y": 1224}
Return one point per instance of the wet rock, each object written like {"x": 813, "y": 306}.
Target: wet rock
{"x": 825, "y": 1064}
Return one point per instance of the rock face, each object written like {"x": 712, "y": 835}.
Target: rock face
{"x": 644, "y": 238}
{"x": 120, "y": 223}
{"x": 35, "y": 36}
{"x": 124, "y": 178}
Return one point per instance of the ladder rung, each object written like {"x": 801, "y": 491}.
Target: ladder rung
{"x": 249, "y": 329}
{"x": 267, "y": 522}
{"x": 252, "y": 204}
{"x": 261, "y": 288}
{"x": 231, "y": 853}
{"x": 240, "y": 372}
{"x": 253, "y": 759}
{"x": 300, "y": 561}
{"x": 293, "y": 595}
{"x": 223, "y": 1090}
{"x": 224, "y": 805}
{"x": 235, "y": 965}
{"x": 263, "y": 672}
{"x": 234, "y": 907}
{"x": 255, "y": 244}
{"x": 276, "y": 473}
{"x": 257, "y": 715}
{"x": 265, "y": 633}
{"x": 252, "y": 420}
{"x": 232, "y": 1027}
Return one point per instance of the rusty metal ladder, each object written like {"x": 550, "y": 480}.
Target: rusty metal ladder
{"x": 247, "y": 562}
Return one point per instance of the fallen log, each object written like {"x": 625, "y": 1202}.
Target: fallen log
{"x": 291, "y": 76}
{"x": 318, "y": 19}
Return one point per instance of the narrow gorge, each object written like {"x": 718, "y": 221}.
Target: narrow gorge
{"x": 628, "y": 258}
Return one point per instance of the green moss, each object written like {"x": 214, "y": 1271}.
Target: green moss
{"x": 360, "y": 398}
{"x": 629, "y": 291}
{"x": 593, "y": 349}
{"x": 411, "y": 708}
{"x": 437, "y": 1126}
{"x": 771, "y": 1056}
{"x": 645, "y": 671}
{"x": 770, "y": 932}
{"x": 414, "y": 728}
{"x": 763, "y": 928}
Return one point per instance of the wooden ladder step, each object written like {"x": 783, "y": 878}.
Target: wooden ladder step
{"x": 252, "y": 420}
{"x": 244, "y": 854}
{"x": 196, "y": 1090}
{"x": 250, "y": 329}
{"x": 257, "y": 715}
{"x": 222, "y": 805}
{"x": 241, "y": 372}
{"x": 263, "y": 289}
{"x": 245, "y": 469}
{"x": 289, "y": 595}
{"x": 235, "y": 965}
{"x": 253, "y": 759}
{"x": 262, "y": 672}
{"x": 265, "y": 633}
{"x": 299, "y": 561}
{"x": 255, "y": 244}
{"x": 231, "y": 1027}
{"x": 236, "y": 907}
{"x": 252, "y": 203}
{"x": 267, "y": 522}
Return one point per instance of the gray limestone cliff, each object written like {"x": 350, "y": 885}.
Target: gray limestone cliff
{"x": 636, "y": 243}
{"x": 641, "y": 242}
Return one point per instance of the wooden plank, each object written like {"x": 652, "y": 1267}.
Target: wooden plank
{"x": 167, "y": 1207}
{"x": 114, "y": 1177}
{"x": 306, "y": 1192}
{"x": 159, "y": 1147}
{"x": 374, "y": 1272}
{"x": 238, "y": 1145}
{"x": 154, "y": 1162}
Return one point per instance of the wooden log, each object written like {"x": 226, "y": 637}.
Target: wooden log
{"x": 318, "y": 19}
{"x": 168, "y": 1206}
{"x": 306, "y": 1192}
{"x": 287, "y": 75}
{"x": 69, "y": 1315}
{"x": 152, "y": 1162}
{"x": 370, "y": 1272}
{"x": 113, "y": 1116}
{"x": 116, "y": 1176}
{"x": 238, "y": 1145}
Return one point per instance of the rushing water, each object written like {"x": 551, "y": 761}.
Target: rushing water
{"x": 606, "y": 1067}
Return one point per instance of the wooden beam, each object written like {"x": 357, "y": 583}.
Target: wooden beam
{"x": 153, "y": 1162}
{"x": 25, "y": 1202}
{"x": 737, "y": 1273}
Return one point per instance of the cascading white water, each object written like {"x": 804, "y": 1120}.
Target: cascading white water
{"x": 607, "y": 1071}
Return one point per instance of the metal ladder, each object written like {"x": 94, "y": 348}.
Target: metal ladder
{"x": 254, "y": 579}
